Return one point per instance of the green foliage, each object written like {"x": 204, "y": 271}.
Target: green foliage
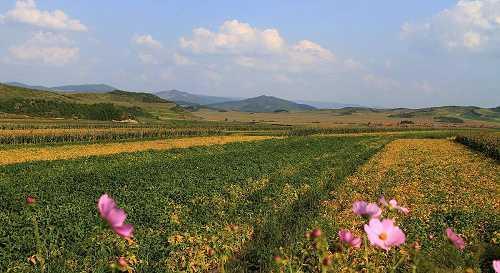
{"x": 258, "y": 190}
{"x": 485, "y": 142}
{"x": 53, "y": 108}
{"x": 143, "y": 97}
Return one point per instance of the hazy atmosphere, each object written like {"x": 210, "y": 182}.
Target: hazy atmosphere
{"x": 372, "y": 53}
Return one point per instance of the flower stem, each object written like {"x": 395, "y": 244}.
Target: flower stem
{"x": 365, "y": 244}
{"x": 39, "y": 247}
{"x": 398, "y": 264}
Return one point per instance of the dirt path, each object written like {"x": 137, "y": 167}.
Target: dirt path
{"x": 13, "y": 156}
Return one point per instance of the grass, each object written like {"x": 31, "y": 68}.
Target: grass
{"x": 443, "y": 184}
{"x": 236, "y": 199}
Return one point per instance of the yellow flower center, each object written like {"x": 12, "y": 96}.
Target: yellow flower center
{"x": 383, "y": 236}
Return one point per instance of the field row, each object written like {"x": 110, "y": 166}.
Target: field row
{"x": 75, "y": 135}
{"x": 20, "y": 155}
{"x": 485, "y": 142}
{"x": 443, "y": 184}
{"x": 199, "y": 208}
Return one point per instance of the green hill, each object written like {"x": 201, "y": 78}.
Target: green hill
{"x": 262, "y": 104}
{"x": 115, "y": 105}
{"x": 450, "y": 114}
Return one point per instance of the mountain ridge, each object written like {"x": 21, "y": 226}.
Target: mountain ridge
{"x": 191, "y": 99}
{"x": 262, "y": 103}
{"x": 74, "y": 88}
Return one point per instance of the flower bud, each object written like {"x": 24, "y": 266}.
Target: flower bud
{"x": 122, "y": 262}
{"x": 316, "y": 233}
{"x": 30, "y": 200}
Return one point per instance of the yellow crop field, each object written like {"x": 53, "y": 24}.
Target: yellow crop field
{"x": 12, "y": 156}
{"x": 417, "y": 173}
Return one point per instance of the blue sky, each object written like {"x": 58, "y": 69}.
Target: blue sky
{"x": 379, "y": 53}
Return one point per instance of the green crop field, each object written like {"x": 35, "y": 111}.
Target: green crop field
{"x": 232, "y": 207}
{"x": 263, "y": 188}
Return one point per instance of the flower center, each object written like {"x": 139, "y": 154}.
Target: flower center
{"x": 383, "y": 236}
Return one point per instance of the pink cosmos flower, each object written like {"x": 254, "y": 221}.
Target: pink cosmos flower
{"x": 384, "y": 234}
{"x": 30, "y": 200}
{"x": 393, "y": 204}
{"x": 348, "y": 238}
{"x": 496, "y": 266}
{"x": 114, "y": 216}
{"x": 363, "y": 208}
{"x": 456, "y": 240}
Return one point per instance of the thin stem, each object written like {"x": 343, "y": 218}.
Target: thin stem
{"x": 398, "y": 264}
{"x": 39, "y": 247}
{"x": 365, "y": 243}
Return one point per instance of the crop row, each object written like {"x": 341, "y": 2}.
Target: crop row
{"x": 434, "y": 185}
{"x": 485, "y": 142}
{"x": 44, "y": 136}
{"x": 193, "y": 210}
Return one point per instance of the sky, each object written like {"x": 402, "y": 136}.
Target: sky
{"x": 387, "y": 53}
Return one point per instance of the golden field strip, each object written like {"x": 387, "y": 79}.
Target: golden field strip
{"x": 430, "y": 176}
{"x": 20, "y": 155}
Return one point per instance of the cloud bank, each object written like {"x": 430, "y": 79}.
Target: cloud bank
{"x": 472, "y": 26}
{"x": 26, "y": 12}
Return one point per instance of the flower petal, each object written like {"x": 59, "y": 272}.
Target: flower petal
{"x": 116, "y": 217}
{"x": 105, "y": 205}
{"x": 124, "y": 230}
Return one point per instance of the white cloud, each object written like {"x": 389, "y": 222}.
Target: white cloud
{"x": 469, "y": 25}
{"x": 233, "y": 37}
{"x": 472, "y": 39}
{"x": 250, "y": 47}
{"x": 46, "y": 47}
{"x": 147, "y": 40}
{"x": 26, "y": 11}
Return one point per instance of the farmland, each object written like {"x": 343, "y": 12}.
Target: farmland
{"x": 231, "y": 206}
{"x": 229, "y": 195}
{"x": 184, "y": 206}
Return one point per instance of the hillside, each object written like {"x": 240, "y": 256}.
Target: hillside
{"x": 188, "y": 99}
{"x": 115, "y": 105}
{"x": 262, "y": 104}
{"x": 449, "y": 113}
{"x": 83, "y": 88}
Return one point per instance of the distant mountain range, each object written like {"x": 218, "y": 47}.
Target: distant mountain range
{"x": 83, "y": 88}
{"x": 262, "y": 104}
{"x": 85, "y": 101}
{"x": 188, "y": 99}
{"x": 327, "y": 105}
